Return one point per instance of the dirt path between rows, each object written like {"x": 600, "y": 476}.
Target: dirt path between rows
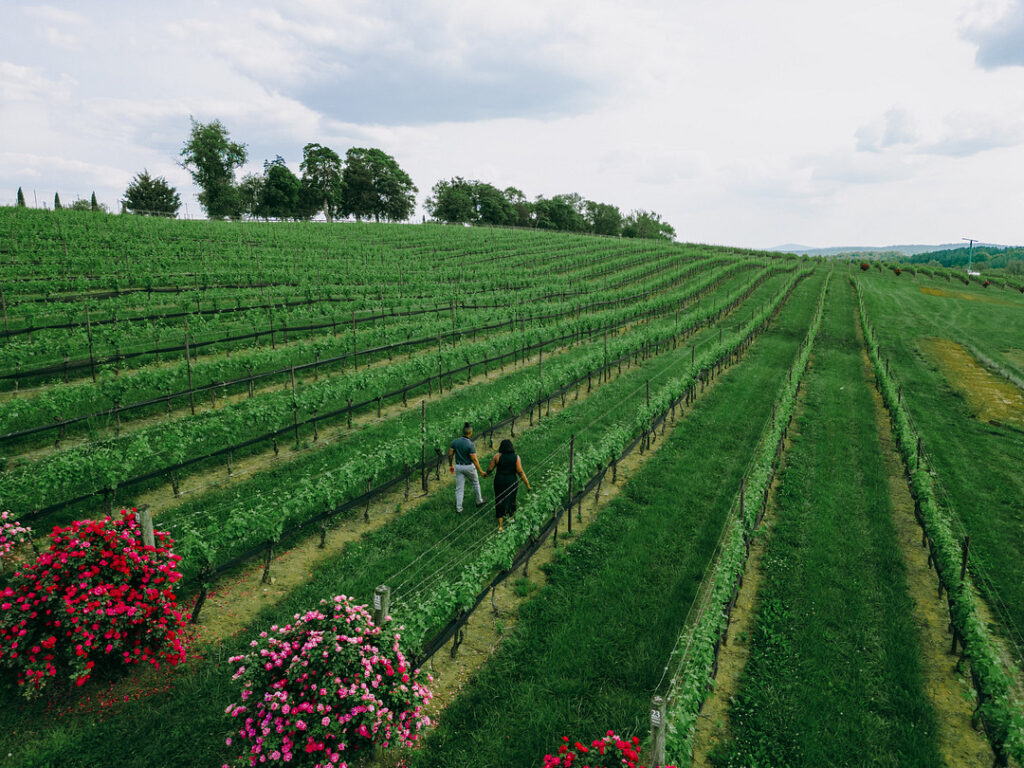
{"x": 949, "y": 692}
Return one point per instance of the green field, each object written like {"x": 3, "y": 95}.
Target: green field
{"x": 260, "y": 385}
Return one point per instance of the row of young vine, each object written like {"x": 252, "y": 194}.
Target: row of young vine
{"x": 994, "y": 677}
{"x": 694, "y": 662}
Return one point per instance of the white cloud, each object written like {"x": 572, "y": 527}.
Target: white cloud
{"x": 998, "y": 31}
{"x": 894, "y": 128}
{"x": 740, "y": 122}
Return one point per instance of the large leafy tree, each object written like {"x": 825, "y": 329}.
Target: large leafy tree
{"x": 562, "y": 212}
{"x": 647, "y": 224}
{"x": 492, "y": 207}
{"x": 603, "y": 218}
{"x": 281, "y": 188}
{"x": 321, "y": 180}
{"x": 452, "y": 201}
{"x": 522, "y": 209}
{"x": 250, "y": 195}
{"x": 211, "y": 157}
{"x": 375, "y": 186}
{"x": 151, "y": 195}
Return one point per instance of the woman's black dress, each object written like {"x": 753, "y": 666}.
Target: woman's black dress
{"x": 506, "y": 484}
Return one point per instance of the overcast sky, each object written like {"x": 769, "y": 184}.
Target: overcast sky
{"x": 742, "y": 122}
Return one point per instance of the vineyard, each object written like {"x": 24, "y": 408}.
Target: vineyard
{"x": 775, "y": 514}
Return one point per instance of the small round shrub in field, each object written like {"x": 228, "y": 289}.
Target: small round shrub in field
{"x": 324, "y": 689}
{"x": 865, "y": 266}
{"x": 96, "y": 597}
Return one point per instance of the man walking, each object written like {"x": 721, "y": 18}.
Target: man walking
{"x": 466, "y": 465}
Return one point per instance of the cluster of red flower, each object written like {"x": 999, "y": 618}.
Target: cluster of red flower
{"x": 97, "y": 595}
{"x": 609, "y": 752}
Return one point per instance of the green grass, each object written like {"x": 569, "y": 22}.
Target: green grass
{"x": 188, "y": 719}
{"x": 979, "y": 465}
{"x": 833, "y": 677}
{"x": 590, "y": 648}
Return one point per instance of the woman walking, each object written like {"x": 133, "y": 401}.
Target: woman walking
{"x": 505, "y": 483}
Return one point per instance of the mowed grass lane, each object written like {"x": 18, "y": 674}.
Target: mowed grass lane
{"x": 978, "y": 464}
{"x": 591, "y": 647}
{"x": 833, "y": 677}
{"x": 188, "y": 718}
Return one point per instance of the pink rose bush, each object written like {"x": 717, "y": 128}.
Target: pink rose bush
{"x": 609, "y": 752}
{"x": 97, "y": 596}
{"x": 321, "y": 689}
{"x": 12, "y": 535}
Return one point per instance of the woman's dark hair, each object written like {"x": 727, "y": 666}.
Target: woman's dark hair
{"x": 506, "y": 447}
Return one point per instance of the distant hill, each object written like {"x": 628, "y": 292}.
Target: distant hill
{"x": 885, "y": 251}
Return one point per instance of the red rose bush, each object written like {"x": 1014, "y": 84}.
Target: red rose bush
{"x": 330, "y": 684}
{"x": 609, "y": 752}
{"x": 97, "y": 596}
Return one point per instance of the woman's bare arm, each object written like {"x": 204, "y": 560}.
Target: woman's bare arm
{"x": 519, "y": 470}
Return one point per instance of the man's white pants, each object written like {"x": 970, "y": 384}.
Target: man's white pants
{"x": 462, "y": 471}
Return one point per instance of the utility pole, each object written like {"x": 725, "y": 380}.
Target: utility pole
{"x": 970, "y": 251}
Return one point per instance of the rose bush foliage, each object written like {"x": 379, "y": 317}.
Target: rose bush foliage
{"x": 96, "y": 597}
{"x": 329, "y": 685}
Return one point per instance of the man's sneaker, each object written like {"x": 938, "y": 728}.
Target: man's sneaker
{"x": 481, "y": 503}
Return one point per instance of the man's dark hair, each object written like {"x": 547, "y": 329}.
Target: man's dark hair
{"x": 466, "y": 429}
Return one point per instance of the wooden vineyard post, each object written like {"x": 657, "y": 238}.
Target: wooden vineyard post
{"x": 355, "y": 347}
{"x": 188, "y": 366}
{"x": 657, "y": 730}
{"x": 423, "y": 445}
{"x": 88, "y": 330}
{"x": 366, "y": 512}
{"x": 963, "y": 563}
{"x": 572, "y": 460}
{"x": 440, "y": 375}
{"x": 146, "y": 523}
{"x": 919, "y": 453}
{"x": 407, "y": 473}
{"x": 266, "y": 564}
{"x": 381, "y": 603}
{"x": 349, "y": 413}
{"x": 295, "y": 409}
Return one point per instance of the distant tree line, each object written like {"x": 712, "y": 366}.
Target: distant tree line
{"x": 367, "y": 183}
{"x": 466, "y": 201}
{"x": 982, "y": 256}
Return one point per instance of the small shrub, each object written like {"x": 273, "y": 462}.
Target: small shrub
{"x": 319, "y": 689}
{"x": 865, "y": 266}
{"x": 97, "y": 596}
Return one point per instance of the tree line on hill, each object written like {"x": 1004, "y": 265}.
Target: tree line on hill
{"x": 367, "y": 183}
{"x": 459, "y": 200}
{"x": 981, "y": 256}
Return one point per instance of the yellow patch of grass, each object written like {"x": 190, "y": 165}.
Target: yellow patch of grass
{"x": 990, "y": 397}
